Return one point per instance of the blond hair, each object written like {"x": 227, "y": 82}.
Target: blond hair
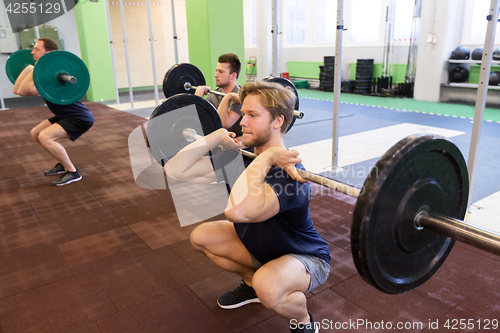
{"x": 274, "y": 97}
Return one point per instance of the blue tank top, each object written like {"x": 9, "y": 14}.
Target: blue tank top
{"x": 289, "y": 231}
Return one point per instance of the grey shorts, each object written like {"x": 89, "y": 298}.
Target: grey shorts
{"x": 318, "y": 268}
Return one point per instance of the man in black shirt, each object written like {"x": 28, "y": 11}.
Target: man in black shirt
{"x": 69, "y": 121}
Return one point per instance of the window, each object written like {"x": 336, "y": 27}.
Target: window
{"x": 478, "y": 23}
{"x": 403, "y": 19}
{"x": 365, "y": 21}
{"x": 326, "y": 21}
{"x": 296, "y": 21}
{"x": 250, "y": 22}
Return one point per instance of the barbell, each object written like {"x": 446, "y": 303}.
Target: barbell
{"x": 296, "y": 114}
{"x": 408, "y": 213}
{"x": 59, "y": 76}
{"x": 185, "y": 78}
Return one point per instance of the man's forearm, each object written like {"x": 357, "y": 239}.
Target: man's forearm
{"x": 27, "y": 86}
{"x": 19, "y": 80}
{"x": 179, "y": 165}
{"x": 223, "y": 111}
{"x": 251, "y": 199}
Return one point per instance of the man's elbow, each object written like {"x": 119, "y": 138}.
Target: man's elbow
{"x": 171, "y": 172}
{"x": 236, "y": 215}
{"x": 27, "y": 92}
{"x": 241, "y": 214}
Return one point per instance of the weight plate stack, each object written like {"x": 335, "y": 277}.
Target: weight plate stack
{"x": 364, "y": 69}
{"x": 327, "y": 73}
{"x": 329, "y": 61}
{"x": 347, "y": 86}
{"x": 362, "y": 86}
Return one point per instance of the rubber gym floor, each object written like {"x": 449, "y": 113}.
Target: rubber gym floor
{"x": 104, "y": 255}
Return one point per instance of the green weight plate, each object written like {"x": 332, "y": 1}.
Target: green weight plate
{"x": 168, "y": 121}
{"x": 47, "y": 70}
{"x": 286, "y": 83}
{"x": 17, "y": 62}
{"x": 180, "y": 74}
{"x": 421, "y": 171}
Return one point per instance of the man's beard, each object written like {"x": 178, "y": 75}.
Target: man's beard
{"x": 222, "y": 85}
{"x": 257, "y": 140}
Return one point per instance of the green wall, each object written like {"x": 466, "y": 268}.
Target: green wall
{"x": 475, "y": 72}
{"x": 310, "y": 70}
{"x": 304, "y": 69}
{"x": 93, "y": 36}
{"x": 215, "y": 27}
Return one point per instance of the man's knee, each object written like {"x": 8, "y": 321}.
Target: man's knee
{"x": 44, "y": 137}
{"x": 35, "y": 134}
{"x": 266, "y": 290}
{"x": 197, "y": 238}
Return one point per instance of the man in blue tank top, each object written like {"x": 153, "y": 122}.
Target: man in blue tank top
{"x": 69, "y": 121}
{"x": 268, "y": 238}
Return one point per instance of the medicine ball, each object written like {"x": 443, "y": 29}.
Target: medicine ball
{"x": 494, "y": 78}
{"x": 460, "y": 53}
{"x": 460, "y": 74}
{"x": 477, "y": 54}
{"x": 452, "y": 67}
{"x": 496, "y": 54}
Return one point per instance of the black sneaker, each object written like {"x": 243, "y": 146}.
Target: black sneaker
{"x": 310, "y": 327}
{"x": 58, "y": 169}
{"x": 242, "y": 295}
{"x": 67, "y": 178}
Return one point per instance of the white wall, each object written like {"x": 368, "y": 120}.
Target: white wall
{"x": 67, "y": 32}
{"x": 442, "y": 19}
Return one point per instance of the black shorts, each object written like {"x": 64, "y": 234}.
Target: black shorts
{"x": 73, "y": 126}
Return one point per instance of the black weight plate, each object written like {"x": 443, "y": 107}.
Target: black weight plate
{"x": 169, "y": 120}
{"x": 364, "y": 69}
{"x": 348, "y": 83}
{"x": 177, "y": 76}
{"x": 286, "y": 83}
{"x": 364, "y": 72}
{"x": 388, "y": 250}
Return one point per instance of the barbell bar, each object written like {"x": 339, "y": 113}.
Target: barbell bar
{"x": 64, "y": 77}
{"x": 190, "y": 135}
{"x": 408, "y": 213}
{"x": 51, "y": 74}
{"x": 188, "y": 86}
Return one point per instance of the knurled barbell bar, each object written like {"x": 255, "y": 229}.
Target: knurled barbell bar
{"x": 188, "y": 86}
{"x": 59, "y": 76}
{"x": 408, "y": 213}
